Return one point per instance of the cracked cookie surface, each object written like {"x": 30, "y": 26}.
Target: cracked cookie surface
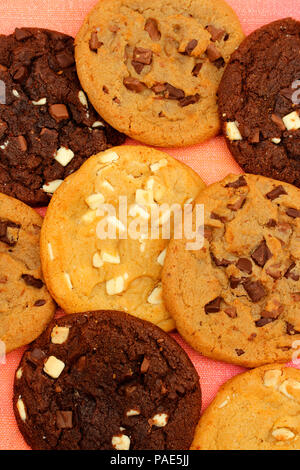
{"x": 152, "y": 68}
{"x": 106, "y": 380}
{"x": 256, "y": 410}
{"x": 259, "y": 103}
{"x": 90, "y": 258}
{"x": 48, "y": 128}
{"x": 25, "y": 304}
{"x": 237, "y": 299}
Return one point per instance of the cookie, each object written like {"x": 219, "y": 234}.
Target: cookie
{"x": 47, "y": 126}
{"x": 152, "y": 69}
{"x": 237, "y": 299}
{"x": 25, "y": 304}
{"x": 259, "y": 102}
{"x": 92, "y": 257}
{"x": 106, "y": 380}
{"x": 256, "y": 410}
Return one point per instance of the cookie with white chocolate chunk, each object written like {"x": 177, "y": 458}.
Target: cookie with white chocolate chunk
{"x": 256, "y": 410}
{"x": 106, "y": 380}
{"x": 92, "y": 258}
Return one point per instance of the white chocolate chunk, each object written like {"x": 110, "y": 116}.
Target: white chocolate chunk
{"x": 68, "y": 279}
{"x": 16, "y": 93}
{"x": 150, "y": 184}
{"x": 283, "y": 434}
{"x": 132, "y": 413}
{"x": 60, "y": 334}
{"x": 40, "y": 102}
{"x": 276, "y": 140}
{"x": 232, "y": 131}
{"x": 292, "y": 121}
{"x": 82, "y": 98}
{"x": 54, "y": 367}
{"x": 160, "y": 420}
{"x": 112, "y": 220}
{"x": 289, "y": 383}
{"x": 3, "y": 146}
{"x": 109, "y": 157}
{"x": 189, "y": 201}
{"x": 161, "y": 257}
{"x": 19, "y": 373}
{"x": 115, "y": 286}
{"x": 107, "y": 185}
{"x": 97, "y": 261}
{"x": 155, "y": 298}
{"x": 21, "y": 409}
{"x": 89, "y": 217}
{"x": 136, "y": 210}
{"x": 64, "y": 156}
{"x": 121, "y": 442}
{"x": 98, "y": 124}
{"x": 224, "y": 403}
{"x": 271, "y": 378}
{"x": 52, "y": 186}
{"x": 95, "y": 200}
{"x": 143, "y": 197}
{"x": 50, "y": 251}
{"x": 158, "y": 165}
{"x": 109, "y": 258}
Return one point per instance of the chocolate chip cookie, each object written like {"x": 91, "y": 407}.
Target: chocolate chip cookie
{"x": 107, "y": 228}
{"x": 106, "y": 380}
{"x": 237, "y": 298}
{"x": 257, "y": 410}
{"x": 48, "y": 128}
{"x": 152, "y": 68}
{"x": 25, "y": 304}
{"x": 259, "y": 102}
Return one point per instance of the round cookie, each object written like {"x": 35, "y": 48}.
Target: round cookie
{"x": 152, "y": 69}
{"x": 47, "y": 126}
{"x": 83, "y": 270}
{"x": 237, "y": 299}
{"x": 106, "y": 380}
{"x": 256, "y": 410}
{"x": 259, "y": 103}
{"x": 25, "y": 304}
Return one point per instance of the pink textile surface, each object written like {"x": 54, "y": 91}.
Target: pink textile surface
{"x": 211, "y": 160}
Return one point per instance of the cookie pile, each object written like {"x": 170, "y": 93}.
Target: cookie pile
{"x": 107, "y": 375}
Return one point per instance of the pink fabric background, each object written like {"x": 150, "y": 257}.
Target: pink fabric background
{"x": 211, "y": 160}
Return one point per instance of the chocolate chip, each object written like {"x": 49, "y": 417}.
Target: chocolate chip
{"x": 191, "y": 46}
{"x": 21, "y": 34}
{"x": 238, "y": 183}
{"x": 173, "y": 93}
{"x": 143, "y": 56}
{"x": 292, "y": 212}
{"x": 239, "y": 352}
{"x": 263, "y": 321}
{"x": 276, "y": 192}
{"x": 213, "y": 53}
{"x": 219, "y": 63}
{"x": 278, "y": 121}
{"x": 252, "y": 336}
{"x": 145, "y": 366}
{"x": 94, "y": 42}
{"x": 231, "y": 312}
{"x": 290, "y": 275}
{"x": 237, "y": 205}
{"x": 197, "y": 69}
{"x": 290, "y": 329}
{"x": 20, "y": 74}
{"x": 215, "y": 216}
{"x": 138, "y": 67}
{"x": 255, "y": 290}
{"x": 9, "y": 237}
{"x": 65, "y": 59}
{"x": 35, "y": 356}
{"x": 189, "y": 100}
{"x": 234, "y": 282}
{"x": 133, "y": 84}
{"x": 32, "y": 281}
{"x": 59, "y": 112}
{"x": 40, "y": 303}
{"x": 271, "y": 223}
{"x": 216, "y": 33}
{"x": 213, "y": 306}
{"x": 262, "y": 254}
{"x": 244, "y": 264}
{"x": 220, "y": 262}
{"x": 151, "y": 26}
{"x": 64, "y": 419}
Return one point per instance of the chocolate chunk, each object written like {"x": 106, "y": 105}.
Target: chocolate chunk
{"x": 263, "y": 321}
{"x": 215, "y": 216}
{"x": 191, "y": 46}
{"x": 238, "y": 183}
{"x": 189, "y": 100}
{"x": 35, "y": 356}
{"x": 9, "y": 237}
{"x": 65, "y": 59}
{"x": 172, "y": 93}
{"x": 197, "y": 69}
{"x": 255, "y": 290}
{"x": 290, "y": 329}
{"x": 133, "y": 84}
{"x": 94, "y": 42}
{"x": 21, "y": 34}
{"x": 138, "y": 67}
{"x": 145, "y": 366}
{"x": 59, "y": 112}
{"x": 237, "y": 205}
{"x": 278, "y": 121}
{"x": 219, "y": 63}
{"x": 151, "y": 26}
{"x": 159, "y": 88}
{"x": 239, "y": 352}
{"x": 20, "y": 74}
{"x": 216, "y": 33}
{"x": 290, "y": 275}
{"x": 22, "y": 143}
{"x": 214, "y": 306}
{"x": 32, "y": 281}
{"x": 262, "y": 254}
{"x": 143, "y": 56}
{"x": 244, "y": 264}
{"x": 231, "y": 312}
{"x": 213, "y": 53}
{"x": 64, "y": 419}
{"x": 40, "y": 303}
{"x": 276, "y": 192}
{"x": 292, "y": 212}
{"x": 274, "y": 272}
{"x": 252, "y": 336}
{"x": 234, "y": 282}
{"x": 271, "y": 223}
{"x": 223, "y": 262}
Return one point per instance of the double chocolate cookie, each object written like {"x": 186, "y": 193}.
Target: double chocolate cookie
{"x": 106, "y": 380}
{"x": 259, "y": 102}
{"x": 47, "y": 126}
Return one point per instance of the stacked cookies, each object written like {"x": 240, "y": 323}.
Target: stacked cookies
{"x": 115, "y": 253}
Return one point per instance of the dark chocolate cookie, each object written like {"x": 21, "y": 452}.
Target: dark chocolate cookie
{"x": 106, "y": 380}
{"x": 259, "y": 102}
{"x": 47, "y": 126}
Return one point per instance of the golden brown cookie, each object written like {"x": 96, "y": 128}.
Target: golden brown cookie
{"x": 25, "y": 304}
{"x": 153, "y": 68}
{"x": 237, "y": 299}
{"x": 83, "y": 270}
{"x": 256, "y": 410}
